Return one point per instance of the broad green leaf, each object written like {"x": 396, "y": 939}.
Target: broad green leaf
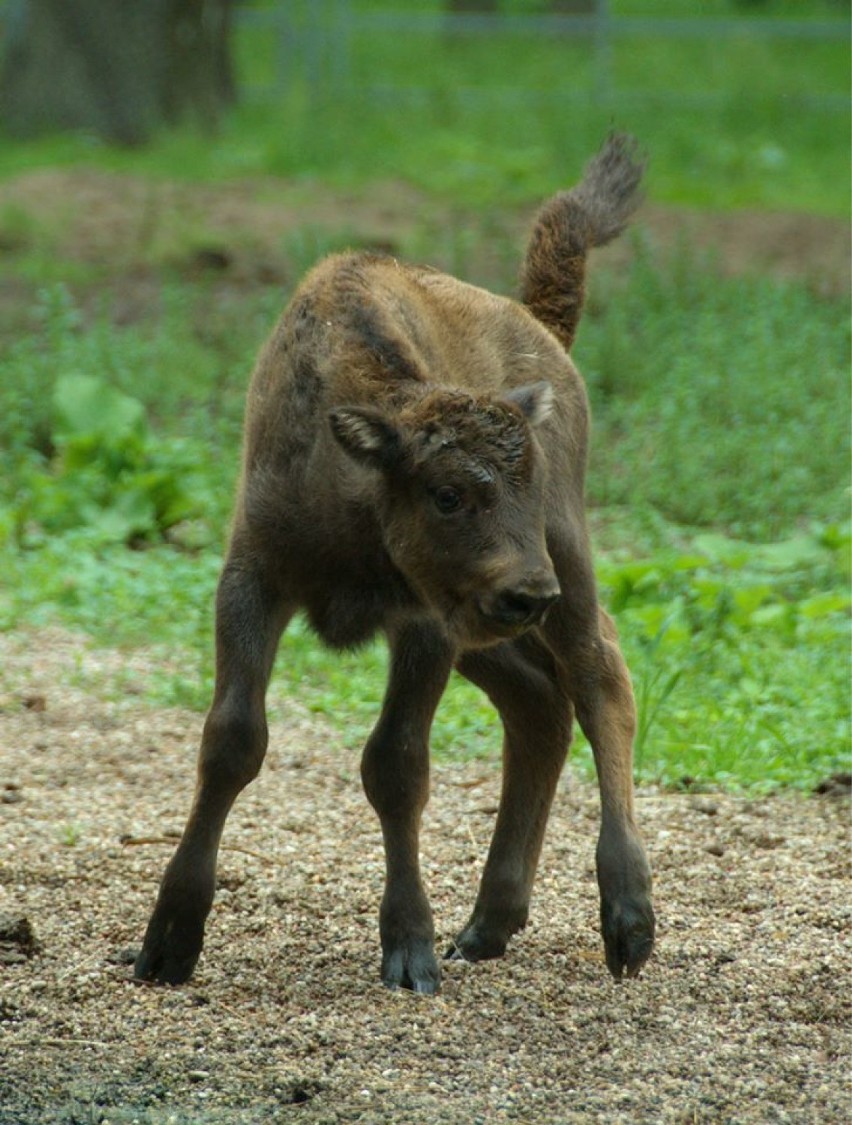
{"x": 87, "y": 406}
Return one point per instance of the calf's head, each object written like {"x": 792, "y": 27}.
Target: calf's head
{"x": 460, "y": 498}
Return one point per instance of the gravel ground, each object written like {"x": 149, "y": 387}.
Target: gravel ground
{"x": 742, "y": 1015}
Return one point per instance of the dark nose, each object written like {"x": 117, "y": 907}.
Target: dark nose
{"x": 518, "y": 607}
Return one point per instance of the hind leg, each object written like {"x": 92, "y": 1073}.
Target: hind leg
{"x": 249, "y": 621}
{"x": 522, "y": 681}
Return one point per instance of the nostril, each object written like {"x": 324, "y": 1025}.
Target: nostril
{"x": 514, "y": 607}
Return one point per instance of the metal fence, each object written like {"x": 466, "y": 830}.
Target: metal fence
{"x": 315, "y": 42}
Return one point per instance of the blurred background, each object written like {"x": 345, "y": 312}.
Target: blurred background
{"x": 741, "y": 102}
{"x": 170, "y": 168}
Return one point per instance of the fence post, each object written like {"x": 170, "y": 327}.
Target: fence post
{"x": 339, "y": 37}
{"x": 313, "y": 50}
{"x": 603, "y": 52}
{"x": 285, "y": 48}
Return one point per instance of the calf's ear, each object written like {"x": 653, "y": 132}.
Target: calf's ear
{"x": 366, "y": 435}
{"x": 534, "y": 399}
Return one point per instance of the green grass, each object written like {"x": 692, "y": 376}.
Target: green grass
{"x": 719, "y": 401}
{"x": 718, "y": 479}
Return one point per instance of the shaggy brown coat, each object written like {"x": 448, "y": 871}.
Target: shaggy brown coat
{"x": 414, "y": 463}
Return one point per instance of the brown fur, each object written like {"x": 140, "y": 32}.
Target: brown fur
{"x": 413, "y": 465}
{"x": 593, "y": 213}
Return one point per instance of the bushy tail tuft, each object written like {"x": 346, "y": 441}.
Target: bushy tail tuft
{"x": 569, "y": 225}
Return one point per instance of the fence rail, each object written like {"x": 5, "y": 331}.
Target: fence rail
{"x": 695, "y": 27}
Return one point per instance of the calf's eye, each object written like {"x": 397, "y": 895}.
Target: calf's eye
{"x": 447, "y": 499}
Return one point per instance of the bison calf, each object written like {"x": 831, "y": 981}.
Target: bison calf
{"x": 414, "y": 457}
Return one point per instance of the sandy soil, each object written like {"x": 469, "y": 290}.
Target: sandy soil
{"x": 743, "y": 1015}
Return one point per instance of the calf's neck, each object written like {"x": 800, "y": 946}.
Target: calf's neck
{"x": 413, "y": 465}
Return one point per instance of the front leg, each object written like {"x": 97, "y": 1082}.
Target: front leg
{"x": 607, "y": 713}
{"x": 249, "y": 621}
{"x": 584, "y": 638}
{"x": 395, "y": 772}
{"x": 624, "y": 879}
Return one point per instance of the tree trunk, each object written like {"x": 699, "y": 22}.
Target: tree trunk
{"x": 117, "y": 67}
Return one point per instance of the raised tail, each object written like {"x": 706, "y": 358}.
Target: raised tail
{"x": 569, "y": 225}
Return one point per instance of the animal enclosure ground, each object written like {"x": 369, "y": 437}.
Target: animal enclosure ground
{"x": 743, "y": 1015}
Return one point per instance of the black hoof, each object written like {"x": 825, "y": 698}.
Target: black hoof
{"x": 161, "y": 968}
{"x": 628, "y": 933}
{"x": 412, "y": 967}
{"x": 477, "y": 943}
{"x": 169, "y": 952}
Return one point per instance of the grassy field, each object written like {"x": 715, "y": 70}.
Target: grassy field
{"x": 718, "y": 491}
{"x": 719, "y": 480}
